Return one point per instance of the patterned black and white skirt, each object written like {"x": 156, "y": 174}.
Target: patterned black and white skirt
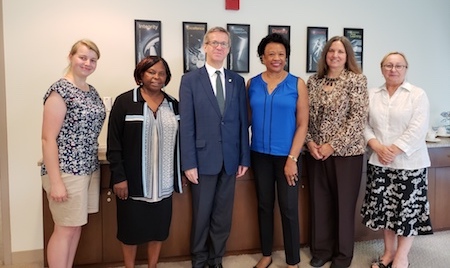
{"x": 396, "y": 199}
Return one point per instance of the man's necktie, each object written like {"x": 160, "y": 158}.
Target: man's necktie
{"x": 219, "y": 92}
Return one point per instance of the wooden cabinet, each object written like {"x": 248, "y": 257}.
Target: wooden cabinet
{"x": 441, "y": 219}
{"x": 439, "y": 188}
{"x": 99, "y": 247}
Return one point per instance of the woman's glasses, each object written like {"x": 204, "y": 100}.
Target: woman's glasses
{"x": 396, "y": 67}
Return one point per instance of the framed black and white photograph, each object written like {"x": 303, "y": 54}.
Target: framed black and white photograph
{"x": 284, "y": 31}
{"x": 193, "y": 52}
{"x": 147, "y": 39}
{"x": 315, "y": 41}
{"x": 238, "y": 58}
{"x": 356, "y": 38}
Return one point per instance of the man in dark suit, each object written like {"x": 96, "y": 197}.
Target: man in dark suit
{"x": 214, "y": 146}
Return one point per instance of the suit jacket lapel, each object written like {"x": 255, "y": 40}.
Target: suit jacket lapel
{"x": 228, "y": 89}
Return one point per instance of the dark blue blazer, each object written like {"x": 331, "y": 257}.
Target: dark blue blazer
{"x": 209, "y": 140}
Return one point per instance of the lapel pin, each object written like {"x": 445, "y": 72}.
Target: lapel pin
{"x": 229, "y": 80}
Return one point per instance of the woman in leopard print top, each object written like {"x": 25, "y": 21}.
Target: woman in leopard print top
{"x": 338, "y": 102}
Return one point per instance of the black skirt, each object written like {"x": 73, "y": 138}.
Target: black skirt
{"x": 139, "y": 222}
{"x": 396, "y": 199}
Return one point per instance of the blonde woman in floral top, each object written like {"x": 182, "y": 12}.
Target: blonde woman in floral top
{"x": 73, "y": 117}
{"x": 338, "y": 102}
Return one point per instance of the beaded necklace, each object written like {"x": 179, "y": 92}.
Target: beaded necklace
{"x": 331, "y": 81}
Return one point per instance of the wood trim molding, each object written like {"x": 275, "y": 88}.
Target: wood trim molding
{"x": 29, "y": 256}
{"x": 5, "y": 227}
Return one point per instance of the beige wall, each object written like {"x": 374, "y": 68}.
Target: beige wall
{"x": 38, "y": 35}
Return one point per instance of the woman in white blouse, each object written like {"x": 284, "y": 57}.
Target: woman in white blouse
{"x": 396, "y": 194}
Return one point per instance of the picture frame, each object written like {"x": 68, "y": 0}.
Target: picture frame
{"x": 238, "y": 57}
{"x": 284, "y": 31}
{"x": 315, "y": 41}
{"x": 356, "y": 38}
{"x": 147, "y": 38}
{"x": 193, "y": 53}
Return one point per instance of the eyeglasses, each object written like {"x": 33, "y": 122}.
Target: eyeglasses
{"x": 216, "y": 44}
{"x": 396, "y": 67}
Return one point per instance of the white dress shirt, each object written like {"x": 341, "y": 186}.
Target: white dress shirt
{"x": 401, "y": 119}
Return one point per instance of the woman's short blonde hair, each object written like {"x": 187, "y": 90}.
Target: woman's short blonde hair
{"x": 393, "y": 53}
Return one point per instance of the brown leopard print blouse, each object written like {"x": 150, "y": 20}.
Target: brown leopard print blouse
{"x": 338, "y": 117}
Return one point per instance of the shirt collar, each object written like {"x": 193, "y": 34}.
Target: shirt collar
{"x": 212, "y": 71}
{"x": 405, "y": 85}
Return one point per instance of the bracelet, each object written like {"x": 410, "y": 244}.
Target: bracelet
{"x": 293, "y": 158}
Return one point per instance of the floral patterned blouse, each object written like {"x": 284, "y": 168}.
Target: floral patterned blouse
{"x": 338, "y": 117}
{"x": 77, "y": 139}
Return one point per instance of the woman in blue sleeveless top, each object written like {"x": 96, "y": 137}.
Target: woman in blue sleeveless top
{"x": 278, "y": 103}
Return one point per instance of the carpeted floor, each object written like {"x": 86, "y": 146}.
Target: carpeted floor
{"x": 431, "y": 251}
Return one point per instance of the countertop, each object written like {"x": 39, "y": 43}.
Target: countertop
{"x": 443, "y": 142}
{"x": 102, "y": 155}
